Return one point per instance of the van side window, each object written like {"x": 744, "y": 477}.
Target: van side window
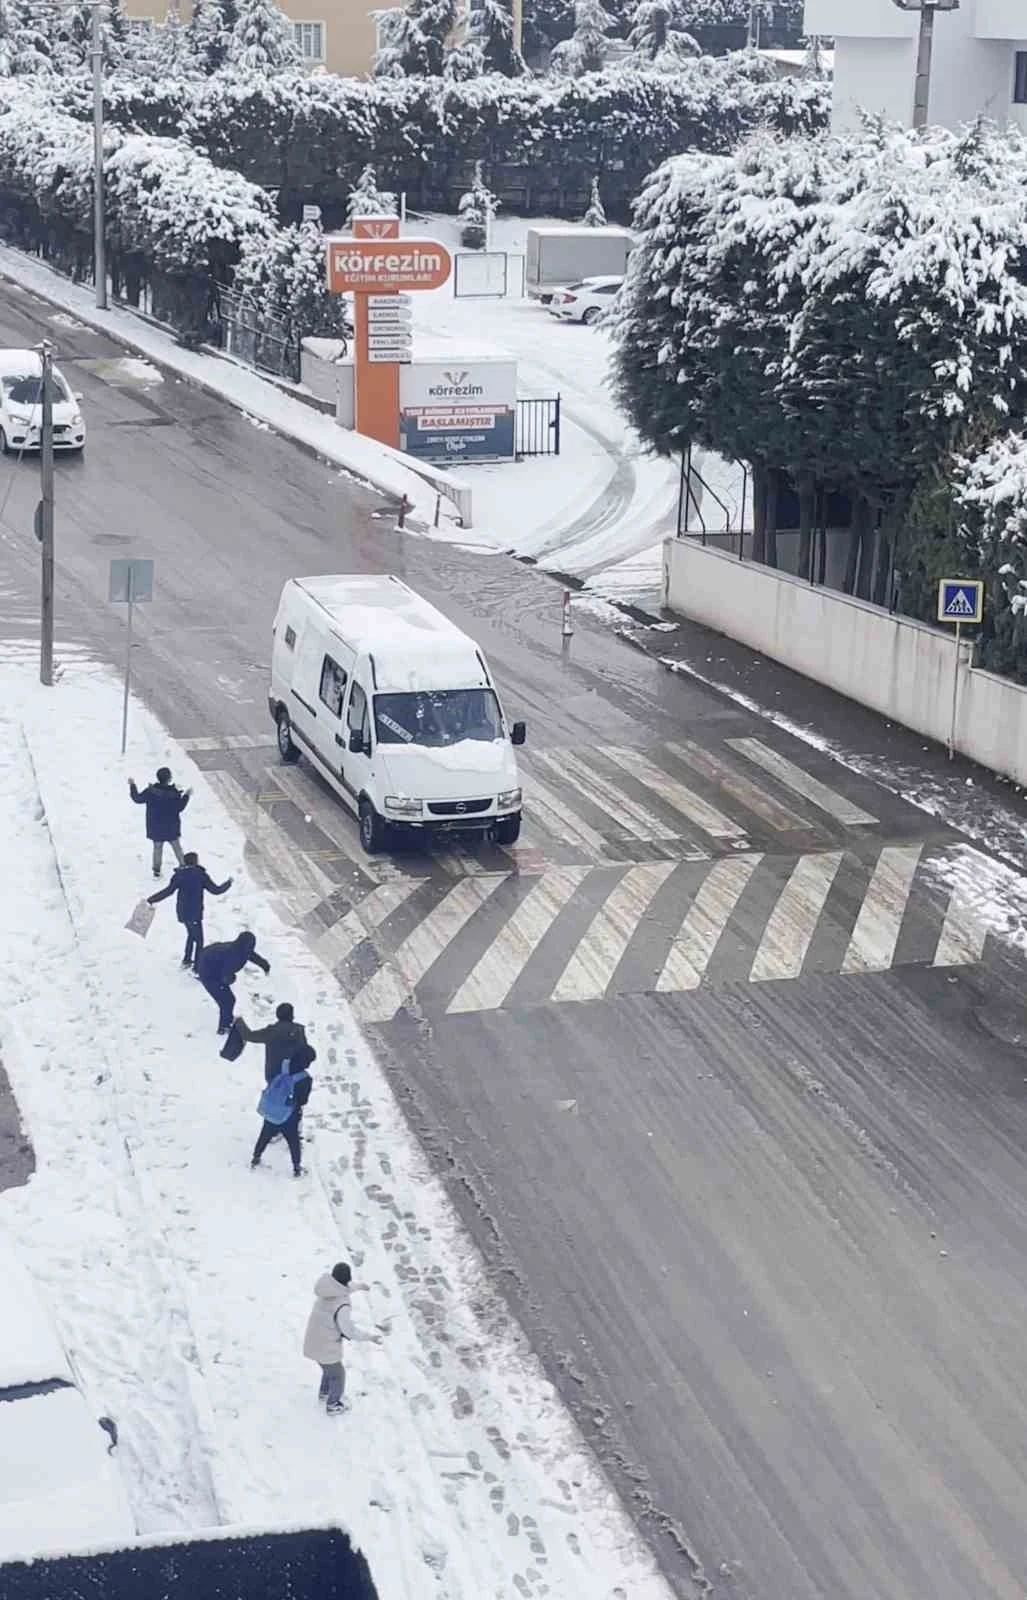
{"x": 290, "y": 638}
{"x": 333, "y": 685}
{"x": 357, "y": 717}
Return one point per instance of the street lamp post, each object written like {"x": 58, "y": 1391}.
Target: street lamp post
{"x": 99, "y": 252}
{"x": 924, "y": 51}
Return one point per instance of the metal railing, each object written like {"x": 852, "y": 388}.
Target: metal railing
{"x": 538, "y": 427}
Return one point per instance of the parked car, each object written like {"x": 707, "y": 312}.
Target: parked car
{"x": 586, "y": 300}
{"x": 560, "y": 253}
{"x": 21, "y": 411}
{"x": 59, "y": 1485}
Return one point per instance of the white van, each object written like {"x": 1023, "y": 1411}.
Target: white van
{"x": 395, "y": 706}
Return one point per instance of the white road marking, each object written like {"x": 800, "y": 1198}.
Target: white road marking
{"x": 284, "y": 865}
{"x": 594, "y": 962}
{"x": 330, "y": 815}
{"x": 872, "y": 946}
{"x": 231, "y": 741}
{"x": 793, "y": 921}
{"x": 963, "y": 935}
{"x": 683, "y": 799}
{"x": 748, "y": 794}
{"x": 559, "y": 821}
{"x": 393, "y": 984}
{"x": 704, "y": 923}
{"x": 503, "y": 962}
{"x": 339, "y": 941}
{"x": 623, "y": 812}
{"x": 801, "y": 783}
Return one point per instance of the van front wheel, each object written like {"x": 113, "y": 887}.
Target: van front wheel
{"x": 372, "y": 829}
{"x": 286, "y": 749}
{"x": 508, "y": 829}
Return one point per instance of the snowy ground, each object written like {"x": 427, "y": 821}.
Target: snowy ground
{"x": 181, "y": 1280}
{"x": 598, "y": 511}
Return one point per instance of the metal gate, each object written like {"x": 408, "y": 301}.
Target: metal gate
{"x": 538, "y": 427}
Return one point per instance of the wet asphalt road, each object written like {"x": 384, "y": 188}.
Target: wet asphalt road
{"x": 745, "y": 1162}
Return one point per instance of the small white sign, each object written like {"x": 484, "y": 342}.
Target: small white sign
{"x": 378, "y": 341}
{"x": 388, "y": 315}
{"x": 398, "y": 356}
{"x": 375, "y": 300}
{"x": 312, "y": 213}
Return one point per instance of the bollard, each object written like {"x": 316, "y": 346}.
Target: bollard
{"x": 568, "y": 626}
{"x": 405, "y": 505}
{"x": 438, "y": 508}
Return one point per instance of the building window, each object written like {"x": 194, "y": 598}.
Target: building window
{"x": 140, "y": 24}
{"x": 333, "y": 685}
{"x": 310, "y": 40}
{"x": 1020, "y": 79}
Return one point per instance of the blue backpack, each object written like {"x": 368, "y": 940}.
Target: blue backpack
{"x": 275, "y": 1103}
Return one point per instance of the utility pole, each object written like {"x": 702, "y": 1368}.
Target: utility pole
{"x": 518, "y": 24}
{"x": 46, "y": 515}
{"x": 99, "y": 252}
{"x": 755, "y": 18}
{"x": 924, "y": 52}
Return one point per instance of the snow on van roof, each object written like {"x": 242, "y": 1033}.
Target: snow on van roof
{"x": 414, "y": 645}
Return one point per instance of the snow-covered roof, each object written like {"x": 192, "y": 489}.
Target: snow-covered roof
{"x": 414, "y": 645}
{"x": 30, "y": 1347}
{"x": 20, "y": 363}
{"x": 59, "y": 1488}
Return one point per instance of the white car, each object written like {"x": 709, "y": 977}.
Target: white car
{"x": 59, "y": 1486}
{"x": 585, "y": 301}
{"x": 21, "y": 412}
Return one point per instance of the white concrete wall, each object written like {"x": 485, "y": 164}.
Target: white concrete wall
{"x": 875, "y": 75}
{"x": 901, "y": 668}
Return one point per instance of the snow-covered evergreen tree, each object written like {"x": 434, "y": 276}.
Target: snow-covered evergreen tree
{"x": 465, "y": 61}
{"x": 585, "y": 50}
{"x": 658, "y": 30}
{"x": 476, "y": 209}
{"x": 414, "y": 39}
{"x": 209, "y": 31}
{"x": 367, "y": 200}
{"x": 490, "y": 28}
{"x": 813, "y": 65}
{"x": 284, "y": 279}
{"x": 595, "y": 216}
{"x": 262, "y": 39}
{"x": 169, "y": 49}
{"x": 26, "y": 43}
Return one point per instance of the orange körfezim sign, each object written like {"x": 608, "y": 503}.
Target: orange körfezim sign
{"x": 374, "y": 265}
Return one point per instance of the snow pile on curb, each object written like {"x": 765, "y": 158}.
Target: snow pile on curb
{"x": 182, "y": 1280}
{"x": 364, "y": 458}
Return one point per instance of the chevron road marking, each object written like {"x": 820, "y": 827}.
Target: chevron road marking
{"x": 963, "y": 935}
{"x": 558, "y": 819}
{"x": 508, "y": 954}
{"x": 594, "y": 962}
{"x": 285, "y": 867}
{"x": 748, "y": 794}
{"x": 690, "y": 804}
{"x": 872, "y": 947}
{"x": 704, "y": 922}
{"x": 339, "y": 941}
{"x": 793, "y": 921}
{"x": 393, "y": 984}
{"x": 801, "y": 783}
{"x": 623, "y": 812}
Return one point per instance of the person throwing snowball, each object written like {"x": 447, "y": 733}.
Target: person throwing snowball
{"x": 329, "y": 1326}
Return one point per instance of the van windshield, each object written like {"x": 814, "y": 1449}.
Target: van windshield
{"x": 437, "y": 717}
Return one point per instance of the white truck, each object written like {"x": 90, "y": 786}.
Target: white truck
{"x": 395, "y": 707}
{"x": 557, "y": 255}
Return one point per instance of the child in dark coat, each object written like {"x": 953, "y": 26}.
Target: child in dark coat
{"x": 189, "y": 882}
{"x": 164, "y": 806}
{"x": 220, "y": 965}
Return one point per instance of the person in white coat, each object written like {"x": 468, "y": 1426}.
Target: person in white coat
{"x": 329, "y": 1326}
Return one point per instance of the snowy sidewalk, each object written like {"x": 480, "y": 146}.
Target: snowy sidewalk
{"x": 182, "y": 1280}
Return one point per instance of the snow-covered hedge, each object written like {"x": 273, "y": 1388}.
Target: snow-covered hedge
{"x": 540, "y": 141}
{"x": 846, "y": 316}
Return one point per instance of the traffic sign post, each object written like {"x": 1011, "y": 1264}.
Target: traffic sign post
{"x": 131, "y": 584}
{"x": 960, "y": 600}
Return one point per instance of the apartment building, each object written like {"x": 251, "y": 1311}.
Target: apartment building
{"x": 331, "y": 35}
{"x": 979, "y": 66}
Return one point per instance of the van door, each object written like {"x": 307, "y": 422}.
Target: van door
{"x": 332, "y": 682}
{"x": 356, "y": 774}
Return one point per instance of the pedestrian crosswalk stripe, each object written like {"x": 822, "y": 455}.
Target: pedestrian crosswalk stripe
{"x": 683, "y": 799}
{"x": 623, "y": 812}
{"x": 339, "y": 942}
{"x": 230, "y": 741}
{"x": 801, "y": 783}
{"x": 560, "y": 822}
{"x": 793, "y": 921}
{"x": 503, "y": 962}
{"x": 748, "y": 794}
{"x": 963, "y": 934}
{"x": 872, "y": 947}
{"x": 394, "y": 983}
{"x": 704, "y": 923}
{"x": 284, "y": 867}
{"x": 594, "y": 962}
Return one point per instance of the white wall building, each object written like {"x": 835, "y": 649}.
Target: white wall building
{"x": 979, "y": 66}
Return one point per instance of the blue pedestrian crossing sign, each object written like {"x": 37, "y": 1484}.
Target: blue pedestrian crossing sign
{"x": 961, "y": 600}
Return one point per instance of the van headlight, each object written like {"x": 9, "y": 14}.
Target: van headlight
{"x": 401, "y": 806}
{"x": 509, "y": 797}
